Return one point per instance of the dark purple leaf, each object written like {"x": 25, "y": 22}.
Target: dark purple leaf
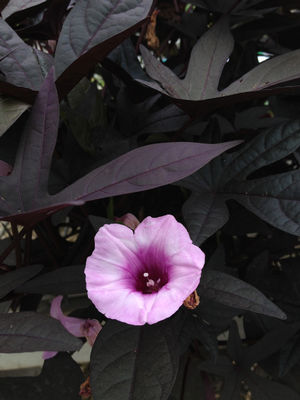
{"x": 141, "y": 169}
{"x": 5, "y": 169}
{"x": 11, "y": 280}
{"x": 65, "y": 280}
{"x": 10, "y": 110}
{"x": 60, "y": 378}
{"x": 232, "y": 387}
{"x": 121, "y": 359}
{"x": 234, "y": 344}
{"x": 207, "y": 60}
{"x": 289, "y": 355}
{"x": 223, "y": 366}
{"x": 29, "y": 331}
{"x": 269, "y": 344}
{"x": 273, "y": 198}
{"x": 265, "y": 389}
{"x": 231, "y": 291}
{"x": 90, "y": 32}
{"x": 19, "y": 5}
{"x": 204, "y": 215}
{"x": 20, "y": 64}
{"x": 144, "y": 168}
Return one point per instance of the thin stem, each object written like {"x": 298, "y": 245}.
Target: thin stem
{"x": 46, "y": 246}
{"x": 52, "y": 234}
{"x": 27, "y": 247}
{"x": 10, "y": 248}
{"x": 16, "y": 236}
{"x": 176, "y": 7}
{"x": 233, "y": 7}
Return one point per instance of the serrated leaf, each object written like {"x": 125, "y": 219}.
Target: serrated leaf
{"x": 10, "y": 110}
{"x": 121, "y": 359}
{"x": 29, "y": 331}
{"x": 19, "y": 5}
{"x": 91, "y": 30}
{"x": 61, "y": 377}
{"x": 65, "y": 280}
{"x": 11, "y": 280}
{"x": 231, "y": 291}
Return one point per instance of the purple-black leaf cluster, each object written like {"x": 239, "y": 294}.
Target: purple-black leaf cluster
{"x": 113, "y": 111}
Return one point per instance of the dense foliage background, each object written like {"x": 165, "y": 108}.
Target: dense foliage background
{"x": 179, "y": 107}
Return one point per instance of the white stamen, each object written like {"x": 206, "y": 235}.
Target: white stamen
{"x": 158, "y": 280}
{"x": 150, "y": 283}
{"x": 145, "y": 274}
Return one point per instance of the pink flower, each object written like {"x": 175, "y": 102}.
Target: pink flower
{"x": 78, "y": 327}
{"x": 143, "y": 276}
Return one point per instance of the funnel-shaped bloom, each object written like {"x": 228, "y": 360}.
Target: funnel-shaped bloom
{"x": 143, "y": 276}
{"x": 78, "y": 327}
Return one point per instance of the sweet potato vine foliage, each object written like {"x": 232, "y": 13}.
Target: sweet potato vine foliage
{"x": 149, "y": 198}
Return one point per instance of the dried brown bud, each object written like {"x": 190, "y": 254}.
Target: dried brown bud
{"x": 192, "y": 301}
{"x": 129, "y": 220}
{"x": 85, "y": 389}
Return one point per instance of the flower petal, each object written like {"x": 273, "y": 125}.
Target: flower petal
{"x": 164, "y": 233}
{"x": 124, "y": 305}
{"x": 72, "y": 325}
{"x": 90, "y": 330}
{"x": 160, "y": 247}
{"x": 49, "y": 354}
{"x": 113, "y": 262}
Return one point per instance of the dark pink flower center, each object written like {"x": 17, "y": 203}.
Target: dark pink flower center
{"x": 147, "y": 283}
{"x": 152, "y": 273}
